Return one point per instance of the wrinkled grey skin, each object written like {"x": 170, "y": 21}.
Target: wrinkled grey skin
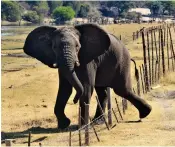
{"x": 87, "y": 58}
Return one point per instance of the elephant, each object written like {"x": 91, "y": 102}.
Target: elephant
{"x": 87, "y": 58}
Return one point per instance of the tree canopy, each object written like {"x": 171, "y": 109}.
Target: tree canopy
{"x": 62, "y": 13}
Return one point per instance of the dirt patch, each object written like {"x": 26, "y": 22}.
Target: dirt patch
{"x": 164, "y": 94}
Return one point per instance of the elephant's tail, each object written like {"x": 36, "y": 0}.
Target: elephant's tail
{"x": 136, "y": 70}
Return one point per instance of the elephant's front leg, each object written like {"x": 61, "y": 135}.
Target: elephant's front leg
{"x": 102, "y": 96}
{"x": 64, "y": 92}
{"x": 87, "y": 77}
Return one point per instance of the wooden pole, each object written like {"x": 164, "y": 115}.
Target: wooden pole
{"x": 109, "y": 107}
{"x": 152, "y": 49}
{"x": 29, "y": 138}
{"x": 143, "y": 88}
{"x": 159, "y": 55}
{"x": 168, "y": 51}
{"x": 133, "y": 36}
{"x": 123, "y": 105}
{"x": 172, "y": 48}
{"x": 70, "y": 139}
{"x": 149, "y": 59}
{"x": 102, "y": 113}
{"x": 118, "y": 108}
{"x": 40, "y": 145}
{"x": 115, "y": 115}
{"x": 79, "y": 124}
{"x": 162, "y": 50}
{"x": 8, "y": 142}
{"x": 156, "y": 70}
{"x": 143, "y": 69}
{"x": 145, "y": 61}
{"x": 79, "y": 118}
{"x": 94, "y": 131}
{"x": 86, "y": 124}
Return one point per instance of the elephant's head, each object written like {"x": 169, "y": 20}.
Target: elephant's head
{"x": 67, "y": 48}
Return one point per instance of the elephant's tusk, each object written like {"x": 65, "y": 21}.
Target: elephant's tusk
{"x": 54, "y": 65}
{"x": 77, "y": 63}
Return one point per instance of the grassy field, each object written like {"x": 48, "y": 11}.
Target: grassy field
{"x": 29, "y": 91}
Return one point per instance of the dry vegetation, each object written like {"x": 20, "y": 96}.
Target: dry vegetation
{"x": 29, "y": 91}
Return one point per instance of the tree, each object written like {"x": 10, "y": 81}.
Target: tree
{"x": 62, "y": 14}
{"x": 53, "y": 4}
{"x": 75, "y": 5}
{"x": 10, "y": 11}
{"x": 156, "y": 8}
{"x": 41, "y": 7}
{"x": 31, "y": 16}
{"x": 84, "y": 9}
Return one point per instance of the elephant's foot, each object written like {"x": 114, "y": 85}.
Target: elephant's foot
{"x": 63, "y": 123}
{"x": 145, "y": 112}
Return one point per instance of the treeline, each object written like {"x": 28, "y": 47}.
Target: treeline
{"x": 35, "y": 11}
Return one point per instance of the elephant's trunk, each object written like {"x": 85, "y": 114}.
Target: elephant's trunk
{"x": 67, "y": 63}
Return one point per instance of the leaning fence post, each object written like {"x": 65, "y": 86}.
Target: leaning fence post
{"x": 145, "y": 61}
{"x": 115, "y": 115}
{"x": 102, "y": 113}
{"x": 86, "y": 124}
{"x": 109, "y": 107}
{"x": 118, "y": 108}
{"x": 94, "y": 130}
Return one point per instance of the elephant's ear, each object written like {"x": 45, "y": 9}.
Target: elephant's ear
{"x": 38, "y": 44}
{"x": 94, "y": 41}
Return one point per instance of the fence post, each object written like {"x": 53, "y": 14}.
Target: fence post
{"x": 142, "y": 79}
{"x": 109, "y": 107}
{"x": 29, "y": 138}
{"x": 86, "y": 124}
{"x": 70, "y": 139}
{"x": 162, "y": 49}
{"x": 152, "y": 49}
{"x": 94, "y": 130}
{"x": 145, "y": 62}
{"x": 102, "y": 113}
{"x": 172, "y": 48}
{"x": 115, "y": 115}
{"x": 79, "y": 124}
{"x": 118, "y": 108}
{"x": 143, "y": 69}
{"x": 149, "y": 59}
{"x": 168, "y": 50}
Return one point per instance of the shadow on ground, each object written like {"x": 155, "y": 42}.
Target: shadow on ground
{"x": 35, "y": 130}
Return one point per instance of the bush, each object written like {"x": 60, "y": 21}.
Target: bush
{"x": 62, "y": 14}
{"x": 31, "y": 16}
{"x": 10, "y": 11}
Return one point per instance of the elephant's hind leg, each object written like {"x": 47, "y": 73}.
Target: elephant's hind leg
{"x": 64, "y": 92}
{"x": 123, "y": 89}
{"x": 102, "y": 96}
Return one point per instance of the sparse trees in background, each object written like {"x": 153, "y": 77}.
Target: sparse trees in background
{"x": 10, "y": 11}
{"x": 31, "y": 16}
{"x": 62, "y": 14}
